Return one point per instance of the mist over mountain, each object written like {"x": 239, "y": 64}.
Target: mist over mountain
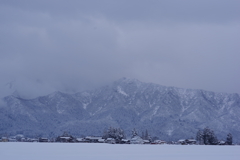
{"x": 169, "y": 113}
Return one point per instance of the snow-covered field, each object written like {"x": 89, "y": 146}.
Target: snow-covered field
{"x": 83, "y": 151}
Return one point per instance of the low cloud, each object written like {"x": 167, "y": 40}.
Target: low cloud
{"x": 82, "y": 45}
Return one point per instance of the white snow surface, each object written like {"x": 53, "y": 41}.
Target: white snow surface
{"x": 76, "y": 151}
{"x": 85, "y": 105}
{"x": 121, "y": 91}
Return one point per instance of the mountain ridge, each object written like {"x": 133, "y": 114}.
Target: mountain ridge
{"x": 169, "y": 113}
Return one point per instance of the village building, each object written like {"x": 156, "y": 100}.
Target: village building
{"x": 187, "y": 141}
{"x": 136, "y": 140}
{"x": 101, "y": 140}
{"x": 158, "y": 142}
{"x": 23, "y": 139}
{"x": 43, "y": 140}
{"x": 222, "y": 143}
{"x": 182, "y": 141}
{"x": 146, "y": 142}
{"x": 125, "y": 141}
{"x": 110, "y": 140}
{"x": 12, "y": 140}
{"x": 191, "y": 141}
{"x": 4, "y": 139}
{"x": 81, "y": 140}
{"x": 65, "y": 138}
{"x": 32, "y": 140}
{"x": 92, "y": 139}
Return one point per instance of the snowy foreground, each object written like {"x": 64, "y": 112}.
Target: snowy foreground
{"x": 83, "y": 151}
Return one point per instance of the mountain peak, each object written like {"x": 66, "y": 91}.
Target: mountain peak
{"x": 125, "y": 80}
{"x": 56, "y": 93}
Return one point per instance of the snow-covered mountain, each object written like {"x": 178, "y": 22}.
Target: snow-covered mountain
{"x": 166, "y": 112}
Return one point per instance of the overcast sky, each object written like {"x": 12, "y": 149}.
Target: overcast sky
{"x": 73, "y": 45}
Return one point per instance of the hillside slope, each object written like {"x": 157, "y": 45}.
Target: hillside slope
{"x": 166, "y": 112}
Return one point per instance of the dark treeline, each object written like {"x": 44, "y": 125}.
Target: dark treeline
{"x": 208, "y": 137}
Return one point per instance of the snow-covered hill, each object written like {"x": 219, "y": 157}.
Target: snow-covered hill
{"x": 166, "y": 112}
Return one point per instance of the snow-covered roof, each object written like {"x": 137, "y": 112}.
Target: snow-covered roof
{"x": 80, "y": 139}
{"x": 19, "y": 135}
{"x": 136, "y": 138}
{"x": 181, "y": 140}
{"x": 159, "y": 141}
{"x": 101, "y": 140}
{"x": 12, "y": 140}
{"x": 65, "y": 137}
{"x": 92, "y": 138}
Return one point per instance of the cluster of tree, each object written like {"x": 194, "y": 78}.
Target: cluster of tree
{"x": 116, "y": 133}
{"x": 134, "y": 133}
{"x": 229, "y": 139}
{"x": 208, "y": 137}
{"x": 146, "y": 136}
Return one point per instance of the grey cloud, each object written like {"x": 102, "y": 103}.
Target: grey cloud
{"x": 209, "y": 11}
{"x": 76, "y": 45}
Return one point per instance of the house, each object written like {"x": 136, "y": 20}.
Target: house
{"x": 182, "y": 141}
{"x": 12, "y": 140}
{"x": 187, "y": 141}
{"x": 191, "y": 141}
{"x": 43, "y": 140}
{"x": 125, "y": 141}
{"x": 5, "y": 139}
{"x": 101, "y": 140}
{"x": 93, "y": 139}
{"x": 32, "y": 140}
{"x": 158, "y": 142}
{"x": 81, "y": 140}
{"x": 23, "y": 139}
{"x": 110, "y": 140}
{"x": 65, "y": 139}
{"x": 136, "y": 140}
{"x": 146, "y": 142}
{"x": 222, "y": 143}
